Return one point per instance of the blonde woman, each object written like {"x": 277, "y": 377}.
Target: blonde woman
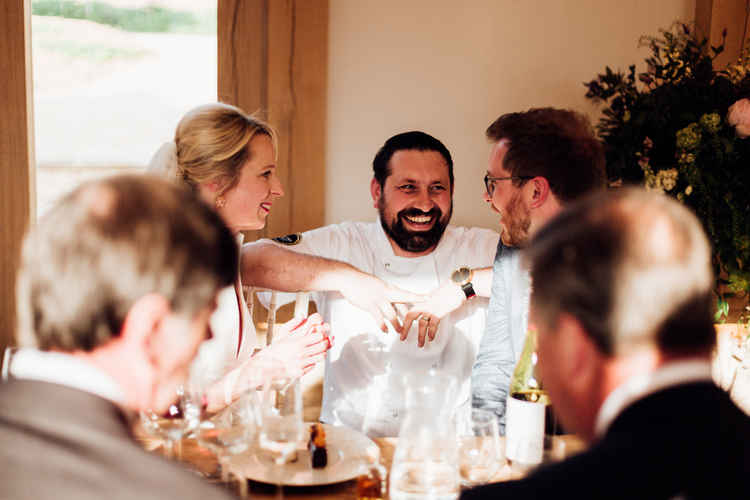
{"x": 229, "y": 159}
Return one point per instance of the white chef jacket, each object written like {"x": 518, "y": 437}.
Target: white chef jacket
{"x": 363, "y": 386}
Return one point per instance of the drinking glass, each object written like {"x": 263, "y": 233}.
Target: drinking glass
{"x": 170, "y": 429}
{"x": 229, "y": 432}
{"x": 425, "y": 460}
{"x": 372, "y": 477}
{"x": 282, "y": 429}
{"x": 479, "y": 452}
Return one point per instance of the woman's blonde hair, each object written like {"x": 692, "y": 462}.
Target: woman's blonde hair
{"x": 212, "y": 143}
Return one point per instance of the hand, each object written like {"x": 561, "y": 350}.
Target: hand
{"x": 377, "y": 297}
{"x": 299, "y": 345}
{"x": 430, "y": 311}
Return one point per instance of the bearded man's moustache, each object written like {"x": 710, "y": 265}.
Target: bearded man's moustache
{"x": 415, "y": 212}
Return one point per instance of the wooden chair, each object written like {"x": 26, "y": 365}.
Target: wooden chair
{"x": 312, "y": 382}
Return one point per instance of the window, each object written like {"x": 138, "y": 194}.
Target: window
{"x": 111, "y": 80}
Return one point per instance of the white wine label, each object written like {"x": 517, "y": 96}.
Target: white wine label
{"x": 524, "y": 440}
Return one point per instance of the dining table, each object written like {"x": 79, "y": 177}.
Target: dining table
{"x": 202, "y": 461}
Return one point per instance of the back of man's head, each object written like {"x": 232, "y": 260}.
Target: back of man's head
{"x": 632, "y": 267}
{"x": 556, "y": 144}
{"x": 109, "y": 243}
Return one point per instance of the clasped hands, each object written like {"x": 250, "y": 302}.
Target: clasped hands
{"x": 388, "y": 304}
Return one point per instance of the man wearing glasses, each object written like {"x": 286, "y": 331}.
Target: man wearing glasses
{"x": 540, "y": 160}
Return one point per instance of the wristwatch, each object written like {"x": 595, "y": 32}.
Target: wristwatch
{"x": 462, "y": 277}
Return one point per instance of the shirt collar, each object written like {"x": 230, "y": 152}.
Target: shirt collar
{"x": 640, "y": 386}
{"x": 65, "y": 369}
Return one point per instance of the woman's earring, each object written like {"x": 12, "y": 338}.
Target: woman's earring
{"x": 220, "y": 202}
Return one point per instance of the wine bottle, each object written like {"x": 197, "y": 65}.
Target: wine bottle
{"x": 527, "y": 409}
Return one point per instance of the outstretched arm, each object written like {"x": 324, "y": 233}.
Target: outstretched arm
{"x": 267, "y": 265}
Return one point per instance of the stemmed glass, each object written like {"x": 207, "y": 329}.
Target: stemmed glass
{"x": 169, "y": 428}
{"x": 479, "y": 452}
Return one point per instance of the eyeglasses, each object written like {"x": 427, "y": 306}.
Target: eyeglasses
{"x": 489, "y": 182}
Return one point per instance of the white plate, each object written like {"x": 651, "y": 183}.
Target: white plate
{"x": 346, "y": 448}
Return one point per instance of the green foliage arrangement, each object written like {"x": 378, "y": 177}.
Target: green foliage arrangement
{"x": 681, "y": 127}
{"x": 151, "y": 19}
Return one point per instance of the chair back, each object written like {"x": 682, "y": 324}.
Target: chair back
{"x": 301, "y": 305}
{"x": 6, "y": 372}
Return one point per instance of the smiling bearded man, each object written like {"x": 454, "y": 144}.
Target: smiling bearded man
{"x": 433, "y": 223}
{"x": 420, "y": 219}
{"x": 411, "y": 247}
{"x": 412, "y": 229}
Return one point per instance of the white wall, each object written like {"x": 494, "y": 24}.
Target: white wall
{"x": 450, "y": 68}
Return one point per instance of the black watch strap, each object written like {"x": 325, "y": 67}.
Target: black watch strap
{"x": 468, "y": 290}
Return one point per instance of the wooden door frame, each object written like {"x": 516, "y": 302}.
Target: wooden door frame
{"x": 17, "y": 177}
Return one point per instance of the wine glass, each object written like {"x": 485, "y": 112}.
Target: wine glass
{"x": 169, "y": 427}
{"x": 479, "y": 452}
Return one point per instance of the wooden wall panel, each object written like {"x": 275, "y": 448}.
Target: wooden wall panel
{"x": 16, "y": 150}
{"x": 309, "y": 91}
{"x": 242, "y": 53}
{"x": 713, "y": 16}
{"x": 282, "y": 107}
{"x": 273, "y": 57}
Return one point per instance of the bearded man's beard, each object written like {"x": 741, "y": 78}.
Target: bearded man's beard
{"x": 414, "y": 241}
{"x": 516, "y": 223}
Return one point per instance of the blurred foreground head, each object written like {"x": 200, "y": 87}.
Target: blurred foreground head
{"x": 633, "y": 267}
{"x": 123, "y": 274}
{"x": 107, "y": 245}
{"x": 621, "y": 287}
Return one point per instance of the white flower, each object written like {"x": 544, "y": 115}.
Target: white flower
{"x": 738, "y": 116}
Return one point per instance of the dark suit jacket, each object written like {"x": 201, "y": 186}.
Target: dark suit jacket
{"x": 687, "y": 441}
{"x": 61, "y": 443}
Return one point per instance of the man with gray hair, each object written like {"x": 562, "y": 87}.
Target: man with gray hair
{"x": 115, "y": 289}
{"x": 622, "y": 303}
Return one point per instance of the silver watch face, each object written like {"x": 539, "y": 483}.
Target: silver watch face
{"x": 461, "y": 275}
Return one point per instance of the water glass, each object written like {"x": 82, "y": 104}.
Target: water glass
{"x": 282, "y": 430}
{"x": 425, "y": 459}
{"x": 372, "y": 477}
{"x": 229, "y": 432}
{"x": 480, "y": 456}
